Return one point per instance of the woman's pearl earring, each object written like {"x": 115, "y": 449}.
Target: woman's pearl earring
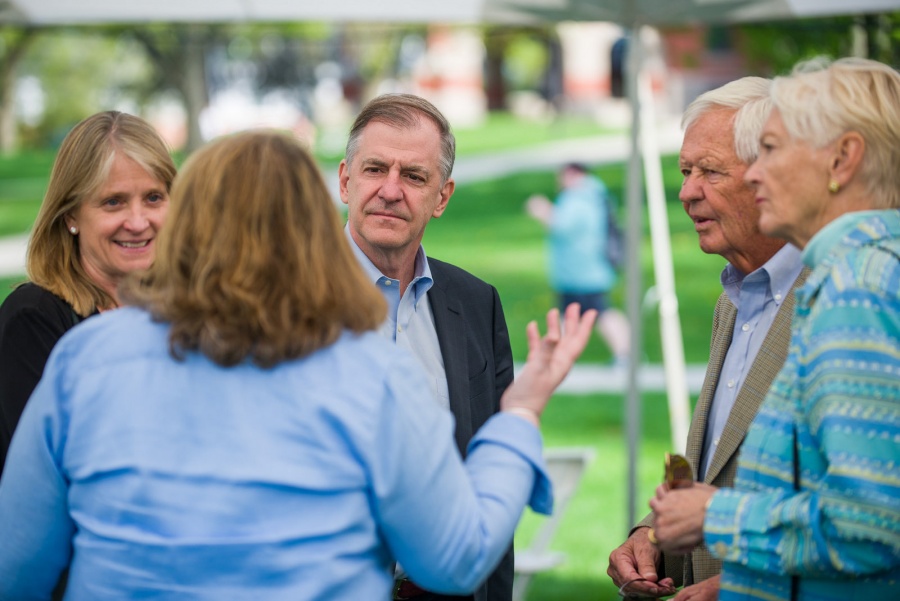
{"x": 74, "y": 230}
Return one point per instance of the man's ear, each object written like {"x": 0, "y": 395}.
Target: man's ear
{"x": 343, "y": 178}
{"x": 446, "y": 192}
{"x": 849, "y": 150}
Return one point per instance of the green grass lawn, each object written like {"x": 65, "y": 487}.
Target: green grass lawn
{"x": 502, "y": 130}
{"x": 486, "y": 231}
{"x": 23, "y": 182}
{"x": 595, "y": 521}
{"x": 499, "y": 131}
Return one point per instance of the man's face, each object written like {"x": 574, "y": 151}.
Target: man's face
{"x": 715, "y": 196}
{"x": 393, "y": 188}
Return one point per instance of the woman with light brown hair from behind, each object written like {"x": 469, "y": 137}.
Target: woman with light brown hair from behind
{"x": 243, "y": 432}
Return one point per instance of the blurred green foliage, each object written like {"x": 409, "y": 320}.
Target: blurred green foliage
{"x": 486, "y": 231}
{"x": 76, "y": 73}
{"x": 773, "y": 48}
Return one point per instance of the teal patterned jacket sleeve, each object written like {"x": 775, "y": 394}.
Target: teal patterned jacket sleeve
{"x": 839, "y": 397}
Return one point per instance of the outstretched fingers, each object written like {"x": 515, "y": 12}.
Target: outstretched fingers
{"x": 577, "y": 331}
{"x": 553, "y": 355}
{"x": 549, "y": 357}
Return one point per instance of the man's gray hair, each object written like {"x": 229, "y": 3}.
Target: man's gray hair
{"x": 404, "y": 110}
{"x": 749, "y": 96}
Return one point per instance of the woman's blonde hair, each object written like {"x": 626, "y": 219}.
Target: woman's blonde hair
{"x": 81, "y": 168}
{"x": 252, "y": 261}
{"x": 821, "y": 100}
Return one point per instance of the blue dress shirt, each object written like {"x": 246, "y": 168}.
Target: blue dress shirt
{"x": 187, "y": 480}
{"x": 409, "y": 321}
{"x": 757, "y": 297}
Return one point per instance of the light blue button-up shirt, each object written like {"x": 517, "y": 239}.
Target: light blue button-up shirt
{"x": 410, "y": 322}
{"x": 757, "y": 297}
{"x": 189, "y": 480}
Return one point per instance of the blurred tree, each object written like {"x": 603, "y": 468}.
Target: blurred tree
{"x": 178, "y": 55}
{"x": 520, "y": 58}
{"x": 289, "y": 52}
{"x": 285, "y": 57}
{"x": 881, "y": 34}
{"x": 197, "y": 60}
{"x": 73, "y": 73}
{"x": 384, "y": 53}
{"x": 773, "y": 48}
{"x": 496, "y": 40}
{"x": 14, "y": 41}
{"x": 533, "y": 61}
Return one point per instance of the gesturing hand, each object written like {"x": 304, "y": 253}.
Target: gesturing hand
{"x": 549, "y": 358}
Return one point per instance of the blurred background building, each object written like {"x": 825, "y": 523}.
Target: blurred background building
{"x": 197, "y": 81}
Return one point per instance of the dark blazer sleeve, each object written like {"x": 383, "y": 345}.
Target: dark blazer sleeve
{"x": 474, "y": 341}
{"x": 500, "y": 583}
{"x": 32, "y": 320}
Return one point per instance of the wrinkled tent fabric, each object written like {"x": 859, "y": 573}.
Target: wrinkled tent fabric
{"x": 626, "y": 12}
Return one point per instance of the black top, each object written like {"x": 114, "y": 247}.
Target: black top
{"x": 32, "y": 320}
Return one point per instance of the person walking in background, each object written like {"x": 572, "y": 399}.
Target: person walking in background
{"x": 106, "y": 200}
{"x": 396, "y": 177}
{"x": 751, "y": 321}
{"x": 240, "y": 431}
{"x": 581, "y": 268}
{"x": 814, "y": 513}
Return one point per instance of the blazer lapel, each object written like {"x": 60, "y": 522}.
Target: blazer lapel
{"x": 451, "y": 333}
{"x": 724, "y": 316}
{"x": 766, "y": 366}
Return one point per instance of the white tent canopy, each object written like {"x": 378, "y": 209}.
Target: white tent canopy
{"x": 626, "y": 12}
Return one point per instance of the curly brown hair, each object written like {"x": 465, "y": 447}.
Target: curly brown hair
{"x": 252, "y": 261}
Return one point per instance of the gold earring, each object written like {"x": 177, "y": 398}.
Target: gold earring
{"x": 833, "y": 186}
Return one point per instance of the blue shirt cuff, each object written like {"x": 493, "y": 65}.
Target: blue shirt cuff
{"x": 522, "y": 438}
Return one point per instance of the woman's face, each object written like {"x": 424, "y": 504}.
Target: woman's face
{"x": 117, "y": 226}
{"x": 791, "y": 180}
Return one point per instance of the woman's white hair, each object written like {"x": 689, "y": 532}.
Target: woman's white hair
{"x": 749, "y": 96}
{"x": 821, "y": 100}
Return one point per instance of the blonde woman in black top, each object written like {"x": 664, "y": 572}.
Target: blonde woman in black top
{"x": 106, "y": 200}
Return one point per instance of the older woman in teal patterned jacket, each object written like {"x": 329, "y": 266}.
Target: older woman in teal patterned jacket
{"x": 815, "y": 512}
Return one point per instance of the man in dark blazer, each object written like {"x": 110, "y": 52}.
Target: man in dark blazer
{"x": 394, "y": 178}
{"x": 722, "y": 129}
